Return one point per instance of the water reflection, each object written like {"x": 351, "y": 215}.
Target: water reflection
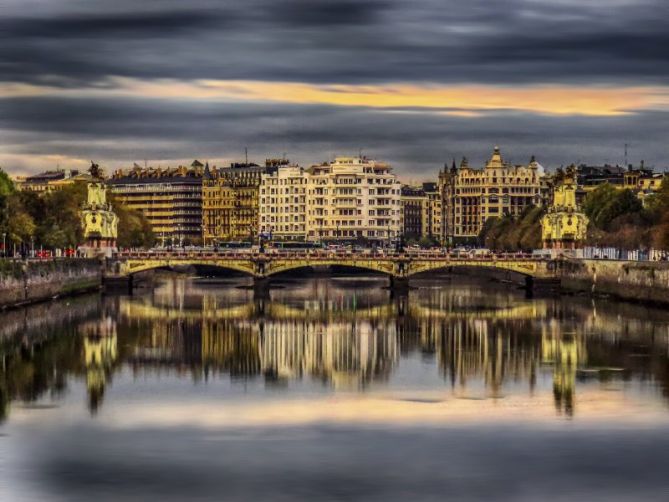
{"x": 344, "y": 334}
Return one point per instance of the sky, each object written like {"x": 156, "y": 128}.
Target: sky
{"x": 416, "y": 83}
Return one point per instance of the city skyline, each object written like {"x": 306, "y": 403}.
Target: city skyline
{"x": 413, "y": 85}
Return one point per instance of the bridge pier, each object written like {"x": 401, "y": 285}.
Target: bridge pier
{"x": 118, "y": 283}
{"x": 542, "y": 284}
{"x": 261, "y": 288}
{"x": 399, "y": 285}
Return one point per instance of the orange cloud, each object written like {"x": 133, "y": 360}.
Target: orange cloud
{"x": 462, "y": 100}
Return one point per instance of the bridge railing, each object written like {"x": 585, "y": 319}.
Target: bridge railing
{"x": 315, "y": 254}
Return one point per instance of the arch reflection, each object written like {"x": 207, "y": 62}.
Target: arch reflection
{"x": 481, "y": 341}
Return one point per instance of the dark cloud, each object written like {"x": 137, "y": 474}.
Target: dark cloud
{"x": 517, "y": 41}
{"x": 309, "y": 13}
{"x": 134, "y": 25}
{"x": 118, "y": 132}
{"x": 81, "y": 43}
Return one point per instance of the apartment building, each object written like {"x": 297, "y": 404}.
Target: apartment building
{"x": 230, "y": 205}
{"x": 170, "y": 198}
{"x": 470, "y": 196}
{"x": 283, "y": 204}
{"x": 414, "y": 211}
{"x": 353, "y": 199}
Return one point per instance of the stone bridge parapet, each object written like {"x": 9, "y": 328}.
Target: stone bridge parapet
{"x": 399, "y": 267}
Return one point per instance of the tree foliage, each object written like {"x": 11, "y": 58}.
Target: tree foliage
{"x": 513, "y": 234}
{"x": 134, "y": 230}
{"x": 619, "y": 219}
{"x": 606, "y": 203}
{"x": 53, "y": 219}
{"x": 16, "y": 223}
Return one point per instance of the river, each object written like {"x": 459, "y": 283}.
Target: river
{"x": 332, "y": 388}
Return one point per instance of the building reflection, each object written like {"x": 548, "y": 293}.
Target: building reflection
{"x": 347, "y": 355}
{"x": 485, "y": 342}
{"x": 480, "y": 340}
{"x": 100, "y": 354}
{"x": 566, "y": 353}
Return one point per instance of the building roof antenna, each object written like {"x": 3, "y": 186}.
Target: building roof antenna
{"x": 246, "y": 155}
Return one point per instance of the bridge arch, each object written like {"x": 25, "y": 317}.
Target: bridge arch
{"x": 278, "y": 266}
{"x": 132, "y": 267}
{"x": 526, "y": 268}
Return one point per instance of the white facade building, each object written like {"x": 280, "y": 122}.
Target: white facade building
{"x": 353, "y": 198}
{"x": 282, "y": 203}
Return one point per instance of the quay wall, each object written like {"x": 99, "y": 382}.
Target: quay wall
{"x": 24, "y": 282}
{"x": 642, "y": 281}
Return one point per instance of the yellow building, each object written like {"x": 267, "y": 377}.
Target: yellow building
{"x": 433, "y": 213}
{"x": 564, "y": 226}
{"x": 446, "y": 189}
{"x": 170, "y": 198}
{"x": 642, "y": 181}
{"x": 470, "y": 196}
{"x": 230, "y": 201}
{"x": 49, "y": 181}
{"x": 99, "y": 222}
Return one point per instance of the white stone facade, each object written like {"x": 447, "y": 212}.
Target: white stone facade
{"x": 282, "y": 204}
{"x": 353, "y": 198}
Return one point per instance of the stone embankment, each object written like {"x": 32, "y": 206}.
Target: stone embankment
{"x": 24, "y": 282}
{"x": 642, "y": 281}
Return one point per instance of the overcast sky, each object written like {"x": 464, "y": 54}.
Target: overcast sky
{"x": 415, "y": 82}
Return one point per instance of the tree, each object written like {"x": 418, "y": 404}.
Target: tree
{"x": 134, "y": 230}
{"x": 59, "y": 226}
{"x": 6, "y": 184}
{"x": 513, "y": 234}
{"x": 20, "y": 223}
{"x": 606, "y": 203}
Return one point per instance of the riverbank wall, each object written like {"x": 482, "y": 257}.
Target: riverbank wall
{"x": 24, "y": 282}
{"x": 641, "y": 281}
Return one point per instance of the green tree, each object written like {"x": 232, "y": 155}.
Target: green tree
{"x": 60, "y": 224}
{"x": 606, "y": 203}
{"x": 134, "y": 230}
{"x": 513, "y": 234}
{"x": 20, "y": 223}
{"x": 16, "y": 222}
{"x": 6, "y": 184}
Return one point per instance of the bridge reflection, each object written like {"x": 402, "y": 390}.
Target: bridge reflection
{"x": 347, "y": 335}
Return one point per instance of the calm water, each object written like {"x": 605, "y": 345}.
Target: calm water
{"x": 331, "y": 389}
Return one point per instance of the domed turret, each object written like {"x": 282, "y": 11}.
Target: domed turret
{"x": 496, "y": 161}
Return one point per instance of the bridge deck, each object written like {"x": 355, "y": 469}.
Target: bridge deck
{"x": 398, "y": 265}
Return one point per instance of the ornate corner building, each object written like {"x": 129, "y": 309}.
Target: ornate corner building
{"x": 99, "y": 221}
{"x": 564, "y": 226}
{"x": 470, "y": 196}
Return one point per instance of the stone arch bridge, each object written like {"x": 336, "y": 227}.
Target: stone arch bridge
{"x": 398, "y": 267}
